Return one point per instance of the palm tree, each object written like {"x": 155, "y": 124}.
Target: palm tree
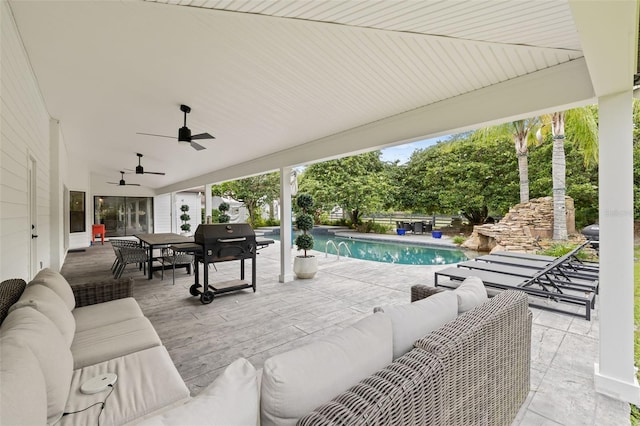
{"x": 584, "y": 129}
{"x": 523, "y": 133}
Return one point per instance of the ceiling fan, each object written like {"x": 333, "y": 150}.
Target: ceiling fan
{"x": 140, "y": 170}
{"x": 122, "y": 182}
{"x": 184, "y": 133}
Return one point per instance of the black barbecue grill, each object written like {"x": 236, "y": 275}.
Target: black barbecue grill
{"x": 222, "y": 242}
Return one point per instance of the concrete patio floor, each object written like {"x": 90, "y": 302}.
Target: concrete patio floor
{"x": 204, "y": 339}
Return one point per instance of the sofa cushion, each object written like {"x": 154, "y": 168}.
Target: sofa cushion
{"x": 56, "y": 282}
{"x": 23, "y": 391}
{"x": 470, "y": 293}
{"x": 233, "y": 399}
{"x": 10, "y": 291}
{"x": 31, "y": 328}
{"x": 110, "y": 341}
{"x": 297, "y": 381}
{"x": 47, "y": 302}
{"x": 101, "y": 314}
{"x": 147, "y": 381}
{"x": 415, "y": 320}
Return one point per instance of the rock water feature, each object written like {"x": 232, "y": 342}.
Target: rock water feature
{"x": 523, "y": 229}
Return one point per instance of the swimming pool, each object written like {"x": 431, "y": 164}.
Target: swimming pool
{"x": 388, "y": 252}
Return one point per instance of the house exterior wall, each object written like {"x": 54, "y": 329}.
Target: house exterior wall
{"x": 162, "y": 213}
{"x": 24, "y": 134}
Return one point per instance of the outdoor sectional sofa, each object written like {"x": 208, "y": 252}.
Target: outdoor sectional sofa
{"x": 448, "y": 358}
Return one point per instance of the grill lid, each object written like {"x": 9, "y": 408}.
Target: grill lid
{"x": 220, "y": 233}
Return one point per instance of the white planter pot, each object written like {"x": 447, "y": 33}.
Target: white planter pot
{"x": 305, "y": 267}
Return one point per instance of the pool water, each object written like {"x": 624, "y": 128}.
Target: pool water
{"x": 388, "y": 252}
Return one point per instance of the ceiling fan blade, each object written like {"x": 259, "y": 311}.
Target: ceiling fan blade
{"x": 153, "y": 134}
{"x": 114, "y": 183}
{"x": 197, "y": 146}
{"x": 202, "y": 136}
{"x": 154, "y": 173}
{"x": 132, "y": 184}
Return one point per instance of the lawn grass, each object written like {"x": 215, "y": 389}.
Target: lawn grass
{"x": 635, "y": 411}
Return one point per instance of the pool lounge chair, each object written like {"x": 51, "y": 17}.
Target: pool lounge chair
{"x": 537, "y": 287}
{"x": 588, "y": 279}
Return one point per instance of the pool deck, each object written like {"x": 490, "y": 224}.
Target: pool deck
{"x": 203, "y": 339}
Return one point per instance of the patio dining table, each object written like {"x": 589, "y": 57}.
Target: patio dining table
{"x": 153, "y": 241}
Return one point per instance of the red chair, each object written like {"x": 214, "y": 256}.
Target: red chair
{"x": 97, "y": 230}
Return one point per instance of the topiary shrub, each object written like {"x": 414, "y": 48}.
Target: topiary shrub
{"x": 304, "y": 222}
{"x": 185, "y": 218}
{"x": 223, "y": 217}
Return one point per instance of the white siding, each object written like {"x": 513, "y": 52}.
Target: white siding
{"x": 162, "y": 213}
{"x": 24, "y": 132}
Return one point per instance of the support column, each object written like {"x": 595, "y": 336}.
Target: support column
{"x": 208, "y": 203}
{"x": 174, "y": 219}
{"x": 286, "y": 272}
{"x": 615, "y": 372}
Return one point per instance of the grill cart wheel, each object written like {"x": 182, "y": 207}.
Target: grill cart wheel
{"x": 194, "y": 289}
{"x": 206, "y": 297}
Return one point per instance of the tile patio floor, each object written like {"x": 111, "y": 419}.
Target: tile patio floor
{"x": 204, "y": 339}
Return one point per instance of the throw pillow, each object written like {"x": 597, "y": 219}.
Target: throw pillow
{"x": 47, "y": 302}
{"x": 413, "y": 321}
{"x": 471, "y": 293}
{"x": 34, "y": 330}
{"x": 233, "y": 399}
{"x": 297, "y": 381}
{"x": 56, "y": 282}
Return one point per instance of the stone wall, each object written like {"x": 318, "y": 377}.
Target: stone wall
{"x": 521, "y": 228}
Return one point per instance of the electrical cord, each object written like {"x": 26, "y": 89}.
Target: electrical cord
{"x": 102, "y": 403}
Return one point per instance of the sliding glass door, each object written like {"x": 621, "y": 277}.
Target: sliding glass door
{"x": 123, "y": 216}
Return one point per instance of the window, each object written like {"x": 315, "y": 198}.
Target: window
{"x": 77, "y": 221}
{"x": 124, "y": 216}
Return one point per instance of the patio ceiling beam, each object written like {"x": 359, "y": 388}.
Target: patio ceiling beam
{"x": 609, "y": 36}
{"x": 555, "y": 88}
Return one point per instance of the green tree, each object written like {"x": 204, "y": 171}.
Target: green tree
{"x": 357, "y": 184}
{"x": 583, "y": 128}
{"x": 472, "y": 176}
{"x": 523, "y": 134}
{"x": 253, "y": 192}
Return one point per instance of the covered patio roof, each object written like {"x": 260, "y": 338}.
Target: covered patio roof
{"x": 283, "y": 83}
{"x": 288, "y": 82}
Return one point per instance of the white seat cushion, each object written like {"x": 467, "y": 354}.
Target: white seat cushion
{"x": 415, "y": 320}
{"x": 47, "y": 302}
{"x": 31, "y": 328}
{"x": 470, "y": 293}
{"x": 56, "y": 282}
{"x": 23, "y": 391}
{"x": 297, "y": 381}
{"x": 101, "y": 314}
{"x": 110, "y": 341}
{"x": 233, "y": 399}
{"x": 147, "y": 381}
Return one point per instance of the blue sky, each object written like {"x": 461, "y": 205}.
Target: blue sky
{"x": 403, "y": 152}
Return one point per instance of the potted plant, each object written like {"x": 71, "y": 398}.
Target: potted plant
{"x": 305, "y": 266}
{"x": 184, "y": 217}
{"x": 224, "y": 208}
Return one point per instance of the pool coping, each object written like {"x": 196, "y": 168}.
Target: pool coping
{"x": 424, "y": 240}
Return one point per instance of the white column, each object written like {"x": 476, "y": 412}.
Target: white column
{"x": 174, "y": 219}
{"x": 208, "y": 203}
{"x": 286, "y": 271}
{"x": 615, "y": 373}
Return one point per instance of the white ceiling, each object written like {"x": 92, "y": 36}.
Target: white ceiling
{"x": 285, "y": 82}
